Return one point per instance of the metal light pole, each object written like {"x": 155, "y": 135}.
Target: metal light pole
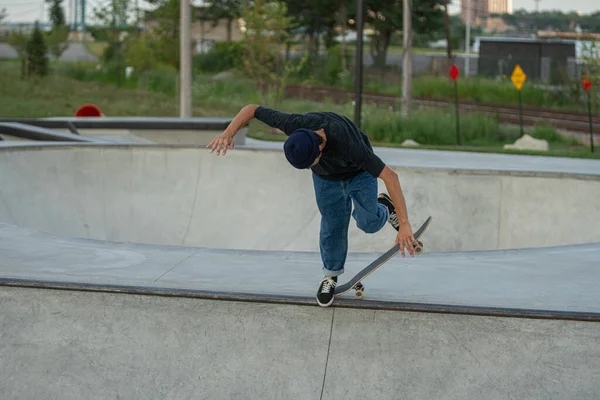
{"x": 407, "y": 61}
{"x": 358, "y": 68}
{"x": 468, "y": 39}
{"x": 185, "y": 62}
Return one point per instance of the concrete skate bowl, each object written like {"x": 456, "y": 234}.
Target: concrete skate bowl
{"x": 253, "y": 200}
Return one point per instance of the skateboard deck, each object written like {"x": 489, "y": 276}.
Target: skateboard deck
{"x": 355, "y": 282}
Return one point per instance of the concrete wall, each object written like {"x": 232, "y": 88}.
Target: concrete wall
{"x": 255, "y": 200}
{"x": 73, "y": 345}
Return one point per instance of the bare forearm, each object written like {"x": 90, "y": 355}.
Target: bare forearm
{"x": 392, "y": 183}
{"x": 245, "y": 115}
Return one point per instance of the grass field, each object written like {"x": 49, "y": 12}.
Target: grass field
{"x": 474, "y": 88}
{"x": 60, "y": 95}
{"x": 57, "y": 95}
{"x": 97, "y": 48}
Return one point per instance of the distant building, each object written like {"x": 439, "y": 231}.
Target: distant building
{"x": 500, "y": 7}
{"x": 542, "y": 60}
{"x": 482, "y": 12}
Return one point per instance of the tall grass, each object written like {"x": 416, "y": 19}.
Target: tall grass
{"x": 436, "y": 127}
{"x": 62, "y": 95}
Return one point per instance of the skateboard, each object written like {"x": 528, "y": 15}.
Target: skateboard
{"x": 356, "y": 284}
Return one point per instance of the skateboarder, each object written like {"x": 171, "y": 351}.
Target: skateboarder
{"x": 344, "y": 171}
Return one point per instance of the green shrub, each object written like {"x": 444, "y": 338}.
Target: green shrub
{"x": 223, "y": 56}
{"x": 332, "y": 72}
{"x": 551, "y": 135}
{"x": 37, "y": 50}
{"x": 429, "y": 127}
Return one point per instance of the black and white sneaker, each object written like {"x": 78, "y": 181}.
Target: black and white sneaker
{"x": 393, "y": 217}
{"x": 326, "y": 292}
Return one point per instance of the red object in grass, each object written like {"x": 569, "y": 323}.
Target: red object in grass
{"x": 454, "y": 72}
{"x": 88, "y": 110}
{"x": 587, "y": 84}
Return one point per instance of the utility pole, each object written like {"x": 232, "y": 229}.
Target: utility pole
{"x": 83, "y": 26}
{"x": 407, "y": 59}
{"x": 69, "y": 13}
{"x": 75, "y": 15}
{"x": 447, "y": 28}
{"x": 358, "y": 68}
{"x": 185, "y": 62}
{"x": 137, "y": 17}
{"x": 79, "y": 17}
{"x": 468, "y": 40}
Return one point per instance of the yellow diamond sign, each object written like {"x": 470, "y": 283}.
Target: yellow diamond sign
{"x": 518, "y": 77}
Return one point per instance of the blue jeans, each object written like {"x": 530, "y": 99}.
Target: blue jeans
{"x": 335, "y": 199}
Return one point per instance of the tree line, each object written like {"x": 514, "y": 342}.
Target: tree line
{"x": 318, "y": 21}
{"x": 33, "y": 49}
{"x": 553, "y": 20}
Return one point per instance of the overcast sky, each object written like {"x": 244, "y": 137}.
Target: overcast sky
{"x": 30, "y": 10}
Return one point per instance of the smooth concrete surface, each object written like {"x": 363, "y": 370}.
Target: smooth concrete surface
{"x": 560, "y": 279}
{"x": 270, "y": 340}
{"x": 167, "y": 137}
{"x": 68, "y": 345}
{"x": 484, "y": 163}
{"x": 253, "y": 199}
{"x": 76, "y": 345}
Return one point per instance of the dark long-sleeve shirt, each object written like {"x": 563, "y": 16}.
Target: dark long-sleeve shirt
{"x": 348, "y": 151}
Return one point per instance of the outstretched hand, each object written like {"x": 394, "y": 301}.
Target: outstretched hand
{"x": 406, "y": 239}
{"x": 223, "y": 141}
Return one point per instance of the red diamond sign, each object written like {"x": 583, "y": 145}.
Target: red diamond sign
{"x": 454, "y": 72}
{"x": 587, "y": 84}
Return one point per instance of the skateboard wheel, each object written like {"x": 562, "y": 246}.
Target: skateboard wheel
{"x": 419, "y": 248}
{"x": 360, "y": 290}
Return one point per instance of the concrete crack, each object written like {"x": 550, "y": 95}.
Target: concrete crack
{"x": 328, "y": 350}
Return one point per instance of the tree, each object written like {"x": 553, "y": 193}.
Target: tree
{"x": 266, "y": 28}
{"x": 3, "y": 14}
{"x": 57, "y": 14}
{"x": 139, "y": 53}
{"x": 223, "y": 9}
{"x": 458, "y": 32}
{"x": 37, "y": 56}
{"x": 57, "y": 40}
{"x": 113, "y": 15}
{"x": 315, "y": 18}
{"x": 114, "y": 18}
{"x": 58, "y": 36}
{"x": 552, "y": 20}
{"x": 18, "y": 40}
{"x": 385, "y": 18}
{"x": 166, "y": 33}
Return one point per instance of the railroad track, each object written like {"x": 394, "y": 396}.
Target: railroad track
{"x": 564, "y": 120}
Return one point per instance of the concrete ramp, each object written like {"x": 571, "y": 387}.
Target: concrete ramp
{"x": 212, "y": 301}
{"x": 77, "y": 345}
{"x": 253, "y": 200}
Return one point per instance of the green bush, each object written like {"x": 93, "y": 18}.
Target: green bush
{"x": 37, "y": 56}
{"x": 428, "y": 127}
{"x": 223, "y": 56}
{"x": 551, "y": 135}
{"x": 332, "y": 72}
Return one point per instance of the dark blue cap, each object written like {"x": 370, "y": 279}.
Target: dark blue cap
{"x": 301, "y": 148}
